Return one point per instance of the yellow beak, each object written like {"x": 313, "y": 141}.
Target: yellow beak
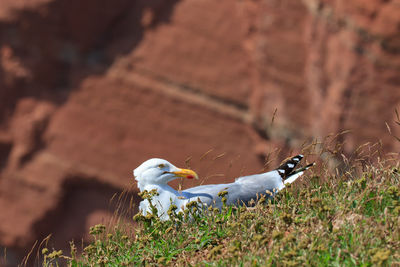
{"x": 186, "y": 173}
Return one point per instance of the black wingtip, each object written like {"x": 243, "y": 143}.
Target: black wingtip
{"x": 288, "y": 166}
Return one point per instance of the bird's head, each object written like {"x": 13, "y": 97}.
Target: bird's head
{"x": 160, "y": 171}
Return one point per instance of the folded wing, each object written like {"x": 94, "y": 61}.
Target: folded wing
{"x": 246, "y": 188}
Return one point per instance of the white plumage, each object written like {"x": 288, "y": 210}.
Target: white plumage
{"x": 156, "y": 173}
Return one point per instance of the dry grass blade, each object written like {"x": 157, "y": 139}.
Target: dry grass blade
{"x": 390, "y": 131}
{"x": 205, "y": 154}
{"x": 388, "y": 128}
{"x": 220, "y": 156}
{"x": 187, "y": 162}
{"x": 273, "y": 116}
{"x": 26, "y": 258}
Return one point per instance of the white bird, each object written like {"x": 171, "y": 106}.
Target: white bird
{"x": 156, "y": 173}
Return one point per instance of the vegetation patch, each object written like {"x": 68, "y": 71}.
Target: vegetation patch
{"x": 348, "y": 219}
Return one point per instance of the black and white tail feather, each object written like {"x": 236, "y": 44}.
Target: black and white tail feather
{"x": 288, "y": 172}
{"x": 288, "y": 166}
{"x": 287, "y": 169}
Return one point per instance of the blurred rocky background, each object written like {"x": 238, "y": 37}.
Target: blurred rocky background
{"x": 91, "y": 88}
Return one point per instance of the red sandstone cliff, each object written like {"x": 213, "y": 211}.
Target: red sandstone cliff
{"x": 89, "y": 89}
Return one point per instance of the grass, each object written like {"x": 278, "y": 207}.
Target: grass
{"x": 343, "y": 215}
{"x": 348, "y": 219}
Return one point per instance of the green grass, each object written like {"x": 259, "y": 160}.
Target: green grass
{"x": 348, "y": 219}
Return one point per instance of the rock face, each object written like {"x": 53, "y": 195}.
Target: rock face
{"x": 89, "y": 89}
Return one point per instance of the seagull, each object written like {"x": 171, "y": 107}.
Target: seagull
{"x": 156, "y": 173}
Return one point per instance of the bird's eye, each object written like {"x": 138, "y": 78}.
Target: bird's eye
{"x": 161, "y": 166}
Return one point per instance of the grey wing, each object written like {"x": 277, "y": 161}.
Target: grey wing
{"x": 241, "y": 191}
{"x": 208, "y": 194}
{"x": 251, "y": 187}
